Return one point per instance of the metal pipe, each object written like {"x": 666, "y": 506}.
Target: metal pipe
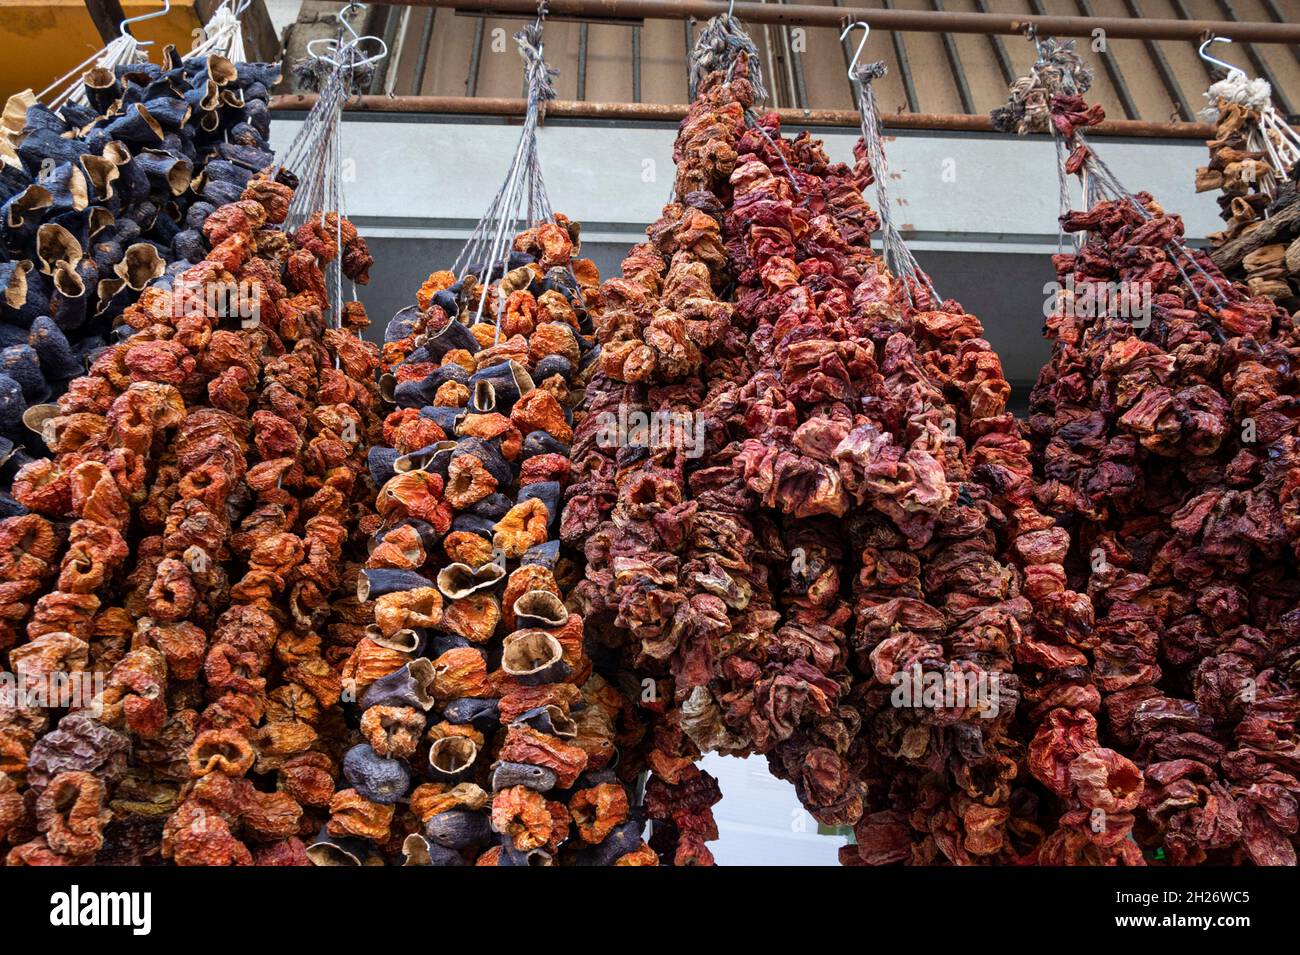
{"x": 796, "y": 70}
{"x": 636, "y": 64}
{"x": 475, "y": 56}
{"x": 926, "y": 21}
{"x": 386, "y": 71}
{"x": 847, "y": 49}
{"x": 582, "y": 61}
{"x": 422, "y": 59}
{"x": 669, "y": 112}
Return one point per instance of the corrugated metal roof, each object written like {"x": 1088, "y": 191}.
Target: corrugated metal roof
{"x": 647, "y": 63}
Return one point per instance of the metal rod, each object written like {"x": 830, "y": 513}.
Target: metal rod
{"x": 1111, "y": 64}
{"x": 403, "y": 28}
{"x": 926, "y": 21}
{"x": 422, "y": 60}
{"x": 796, "y": 70}
{"x": 999, "y": 49}
{"x": 954, "y": 64}
{"x": 1258, "y": 62}
{"x": 1162, "y": 66}
{"x": 392, "y": 22}
{"x": 904, "y": 66}
{"x": 847, "y": 49}
{"x": 769, "y": 58}
{"x": 668, "y": 112}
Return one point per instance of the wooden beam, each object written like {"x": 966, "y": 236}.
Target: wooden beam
{"x": 107, "y": 16}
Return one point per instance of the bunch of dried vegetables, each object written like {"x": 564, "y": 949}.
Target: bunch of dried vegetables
{"x": 106, "y": 191}
{"x": 476, "y": 670}
{"x": 213, "y": 471}
{"x": 1165, "y": 438}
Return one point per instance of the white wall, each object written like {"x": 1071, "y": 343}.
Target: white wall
{"x": 433, "y": 177}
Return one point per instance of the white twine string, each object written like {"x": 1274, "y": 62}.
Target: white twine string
{"x": 224, "y": 34}
{"x": 1268, "y": 132}
{"x": 120, "y": 51}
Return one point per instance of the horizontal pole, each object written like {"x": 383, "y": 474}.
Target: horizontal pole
{"x": 673, "y": 112}
{"x": 925, "y": 21}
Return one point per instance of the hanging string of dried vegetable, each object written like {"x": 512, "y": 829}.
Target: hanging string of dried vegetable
{"x": 848, "y": 415}
{"x": 673, "y": 568}
{"x": 221, "y": 540}
{"x": 476, "y": 668}
{"x": 336, "y": 69}
{"x": 1158, "y": 428}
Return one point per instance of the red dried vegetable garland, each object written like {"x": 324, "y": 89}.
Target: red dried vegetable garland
{"x": 1170, "y": 447}
{"x": 671, "y": 565}
{"x": 828, "y": 432}
{"x": 214, "y": 740}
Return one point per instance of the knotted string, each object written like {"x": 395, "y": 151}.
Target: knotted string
{"x": 718, "y": 47}
{"x": 898, "y": 257}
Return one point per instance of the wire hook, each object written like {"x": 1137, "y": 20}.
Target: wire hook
{"x": 857, "y": 54}
{"x": 1232, "y": 70}
{"x": 731, "y": 9}
{"x": 167, "y": 6}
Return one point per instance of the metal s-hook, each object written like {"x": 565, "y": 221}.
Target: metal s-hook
{"x": 857, "y": 54}
{"x": 731, "y": 9}
{"x": 1232, "y": 70}
{"x": 167, "y": 6}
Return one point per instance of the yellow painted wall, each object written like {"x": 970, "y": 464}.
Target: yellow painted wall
{"x": 40, "y": 41}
